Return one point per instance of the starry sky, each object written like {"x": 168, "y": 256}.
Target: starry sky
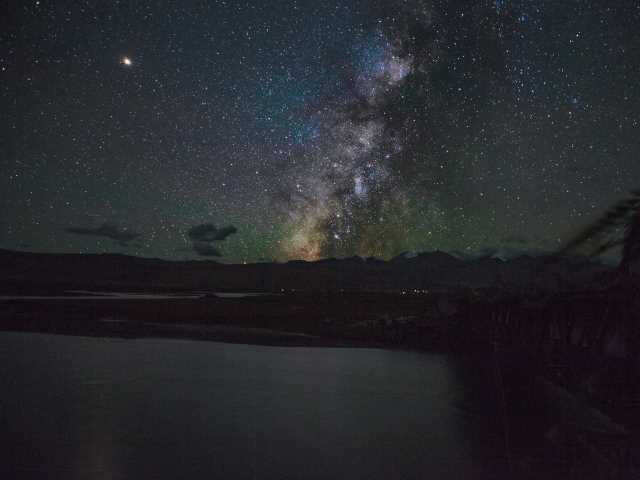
{"x": 249, "y": 130}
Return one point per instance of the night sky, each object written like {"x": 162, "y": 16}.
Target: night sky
{"x": 244, "y": 131}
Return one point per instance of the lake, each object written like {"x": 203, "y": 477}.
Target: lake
{"x": 84, "y": 408}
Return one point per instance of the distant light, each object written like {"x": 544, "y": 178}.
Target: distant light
{"x": 126, "y": 61}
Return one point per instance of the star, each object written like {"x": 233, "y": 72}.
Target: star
{"x": 437, "y": 125}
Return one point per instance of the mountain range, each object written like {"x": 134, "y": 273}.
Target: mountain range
{"x": 26, "y": 272}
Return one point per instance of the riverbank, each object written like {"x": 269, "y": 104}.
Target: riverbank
{"x": 292, "y": 319}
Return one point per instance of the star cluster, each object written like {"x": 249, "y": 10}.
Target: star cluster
{"x": 314, "y": 128}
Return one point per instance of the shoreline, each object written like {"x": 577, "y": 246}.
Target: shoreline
{"x": 107, "y": 328}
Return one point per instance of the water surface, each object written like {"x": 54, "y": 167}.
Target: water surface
{"x": 76, "y": 407}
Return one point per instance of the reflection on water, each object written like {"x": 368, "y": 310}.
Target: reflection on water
{"x": 76, "y": 407}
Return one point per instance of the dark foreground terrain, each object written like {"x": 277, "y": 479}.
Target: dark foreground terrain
{"x": 372, "y": 319}
{"x": 572, "y": 344}
{"x": 575, "y": 351}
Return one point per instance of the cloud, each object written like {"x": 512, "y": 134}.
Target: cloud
{"x": 121, "y": 235}
{"x": 205, "y": 234}
{"x": 210, "y": 233}
{"x": 503, "y": 253}
{"x": 206, "y": 249}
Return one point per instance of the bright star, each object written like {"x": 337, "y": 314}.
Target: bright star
{"x": 126, "y": 61}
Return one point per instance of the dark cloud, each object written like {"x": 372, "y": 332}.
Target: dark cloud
{"x": 210, "y": 233}
{"x": 206, "y": 249}
{"x": 121, "y": 235}
{"x": 503, "y": 253}
{"x": 205, "y": 234}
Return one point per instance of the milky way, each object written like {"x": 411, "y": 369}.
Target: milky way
{"x": 339, "y": 189}
{"x": 315, "y": 129}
